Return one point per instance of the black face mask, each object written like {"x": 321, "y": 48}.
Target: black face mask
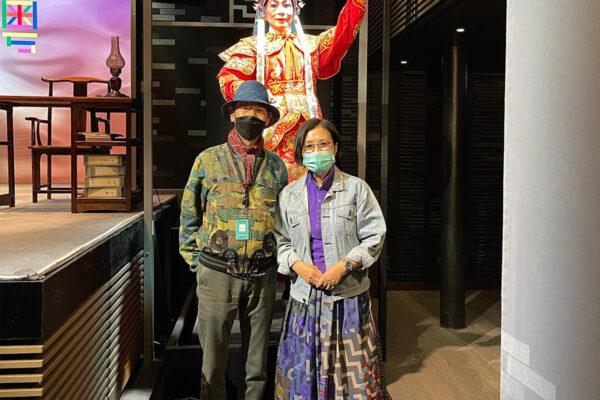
{"x": 249, "y": 127}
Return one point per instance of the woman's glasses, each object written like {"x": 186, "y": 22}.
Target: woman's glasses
{"x": 309, "y": 148}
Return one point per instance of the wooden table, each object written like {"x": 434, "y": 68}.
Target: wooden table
{"x": 76, "y": 104}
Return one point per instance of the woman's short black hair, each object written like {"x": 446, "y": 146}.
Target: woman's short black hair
{"x": 308, "y": 126}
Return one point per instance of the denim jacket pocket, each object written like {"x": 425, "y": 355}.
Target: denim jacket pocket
{"x": 295, "y": 228}
{"x": 346, "y": 217}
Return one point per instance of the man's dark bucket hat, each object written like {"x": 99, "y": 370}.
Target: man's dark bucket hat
{"x": 252, "y": 92}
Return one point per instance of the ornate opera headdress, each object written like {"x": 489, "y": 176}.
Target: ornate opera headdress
{"x": 260, "y": 33}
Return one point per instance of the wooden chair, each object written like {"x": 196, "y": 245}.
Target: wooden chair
{"x": 39, "y": 148}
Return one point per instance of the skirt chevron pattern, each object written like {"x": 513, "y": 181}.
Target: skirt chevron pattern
{"x": 329, "y": 351}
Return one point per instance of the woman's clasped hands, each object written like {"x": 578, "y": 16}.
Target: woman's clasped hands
{"x": 327, "y": 280}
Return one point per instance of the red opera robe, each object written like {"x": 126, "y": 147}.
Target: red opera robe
{"x": 284, "y": 75}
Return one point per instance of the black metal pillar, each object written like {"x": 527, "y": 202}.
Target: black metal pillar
{"x": 148, "y": 186}
{"x": 452, "y": 296}
{"x": 385, "y": 112}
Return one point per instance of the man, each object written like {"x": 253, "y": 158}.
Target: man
{"x": 277, "y": 59}
{"x": 227, "y": 218}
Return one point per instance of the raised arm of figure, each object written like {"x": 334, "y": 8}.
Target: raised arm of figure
{"x": 335, "y": 42}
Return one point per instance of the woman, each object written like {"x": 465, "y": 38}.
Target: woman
{"x": 276, "y": 59}
{"x": 329, "y": 231}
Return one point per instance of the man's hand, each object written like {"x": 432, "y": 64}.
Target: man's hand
{"x": 332, "y": 277}
{"x": 308, "y": 272}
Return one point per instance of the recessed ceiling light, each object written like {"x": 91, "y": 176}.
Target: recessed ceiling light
{"x": 460, "y": 30}
{"x": 403, "y": 62}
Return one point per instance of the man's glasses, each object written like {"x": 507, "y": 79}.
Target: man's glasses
{"x": 309, "y": 148}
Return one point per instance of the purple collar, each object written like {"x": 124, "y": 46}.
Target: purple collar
{"x": 327, "y": 182}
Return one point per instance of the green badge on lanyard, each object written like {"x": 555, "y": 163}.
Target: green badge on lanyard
{"x": 242, "y": 229}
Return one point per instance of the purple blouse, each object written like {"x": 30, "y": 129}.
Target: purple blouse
{"x": 316, "y": 195}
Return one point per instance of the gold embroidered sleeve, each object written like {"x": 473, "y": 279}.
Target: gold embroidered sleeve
{"x": 244, "y": 64}
{"x": 326, "y": 40}
{"x": 245, "y": 47}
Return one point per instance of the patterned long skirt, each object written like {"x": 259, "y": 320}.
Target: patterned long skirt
{"x": 329, "y": 350}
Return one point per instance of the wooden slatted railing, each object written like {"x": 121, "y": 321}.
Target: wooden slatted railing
{"x": 92, "y": 355}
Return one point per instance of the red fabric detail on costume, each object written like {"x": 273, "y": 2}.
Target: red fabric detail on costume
{"x": 246, "y": 153}
{"x": 231, "y": 79}
{"x": 346, "y": 29}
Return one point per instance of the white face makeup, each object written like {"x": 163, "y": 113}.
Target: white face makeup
{"x": 280, "y": 14}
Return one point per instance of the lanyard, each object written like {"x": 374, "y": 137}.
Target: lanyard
{"x": 257, "y": 165}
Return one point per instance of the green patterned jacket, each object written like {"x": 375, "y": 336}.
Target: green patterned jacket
{"x": 213, "y": 201}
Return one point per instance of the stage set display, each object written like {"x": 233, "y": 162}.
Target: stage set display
{"x": 71, "y": 285}
{"x": 38, "y": 42}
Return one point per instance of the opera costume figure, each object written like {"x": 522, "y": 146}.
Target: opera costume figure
{"x": 275, "y": 56}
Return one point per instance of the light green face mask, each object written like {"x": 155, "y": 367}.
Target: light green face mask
{"x": 318, "y": 162}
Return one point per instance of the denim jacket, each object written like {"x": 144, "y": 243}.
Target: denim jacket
{"x": 352, "y": 227}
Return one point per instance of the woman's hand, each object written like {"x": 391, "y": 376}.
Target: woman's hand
{"x": 308, "y": 272}
{"x": 332, "y": 277}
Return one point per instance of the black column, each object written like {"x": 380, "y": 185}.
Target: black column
{"x": 452, "y": 307}
{"x": 385, "y": 111}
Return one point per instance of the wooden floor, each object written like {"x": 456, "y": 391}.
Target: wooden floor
{"x": 426, "y": 362}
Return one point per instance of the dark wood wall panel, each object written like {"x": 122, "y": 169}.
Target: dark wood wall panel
{"x": 486, "y": 123}
{"x": 414, "y": 174}
{"x": 375, "y": 25}
{"x": 403, "y": 13}
{"x": 373, "y": 177}
{"x": 346, "y": 93}
{"x": 433, "y": 184}
{"x": 187, "y": 100}
{"x": 408, "y": 214}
